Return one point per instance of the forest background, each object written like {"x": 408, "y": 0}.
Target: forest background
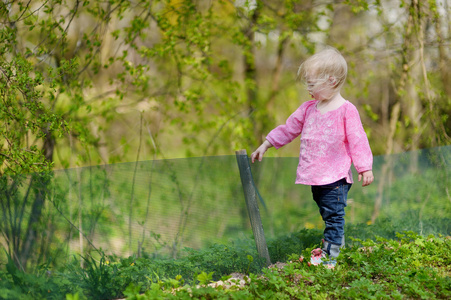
{"x": 99, "y": 82}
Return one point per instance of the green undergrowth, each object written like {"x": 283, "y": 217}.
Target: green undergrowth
{"x": 405, "y": 266}
{"x": 408, "y": 267}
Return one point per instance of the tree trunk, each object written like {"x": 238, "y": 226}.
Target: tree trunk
{"x": 250, "y": 72}
{"x": 250, "y": 79}
{"x": 39, "y": 184}
{"x": 398, "y": 106}
{"x": 443, "y": 58}
{"x": 384, "y": 177}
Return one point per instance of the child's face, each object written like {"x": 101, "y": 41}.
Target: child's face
{"x": 319, "y": 89}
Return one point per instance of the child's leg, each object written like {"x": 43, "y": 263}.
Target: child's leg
{"x": 331, "y": 200}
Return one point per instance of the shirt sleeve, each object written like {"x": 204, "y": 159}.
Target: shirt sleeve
{"x": 358, "y": 145}
{"x": 284, "y": 134}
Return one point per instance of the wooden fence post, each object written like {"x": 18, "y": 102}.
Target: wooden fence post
{"x": 250, "y": 195}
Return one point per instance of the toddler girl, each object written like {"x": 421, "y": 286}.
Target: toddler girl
{"x": 332, "y": 137}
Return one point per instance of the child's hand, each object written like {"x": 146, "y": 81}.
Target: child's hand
{"x": 258, "y": 154}
{"x": 367, "y": 177}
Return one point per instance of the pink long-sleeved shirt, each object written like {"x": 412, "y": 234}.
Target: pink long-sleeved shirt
{"x": 330, "y": 142}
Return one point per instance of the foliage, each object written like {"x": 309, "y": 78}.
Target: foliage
{"x": 408, "y": 265}
{"x": 281, "y": 248}
{"x": 74, "y": 72}
{"x": 196, "y": 202}
{"x": 37, "y": 80}
{"x": 95, "y": 278}
{"x": 108, "y": 276}
{"x": 38, "y": 284}
{"x": 214, "y": 76}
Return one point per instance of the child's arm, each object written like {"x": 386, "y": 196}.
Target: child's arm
{"x": 283, "y": 134}
{"x": 359, "y": 146}
{"x": 258, "y": 154}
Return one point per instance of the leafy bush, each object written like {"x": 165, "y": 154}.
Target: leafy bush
{"x": 38, "y": 284}
{"x": 281, "y": 248}
{"x": 407, "y": 265}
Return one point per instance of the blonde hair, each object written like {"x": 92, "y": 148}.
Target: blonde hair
{"x": 326, "y": 66}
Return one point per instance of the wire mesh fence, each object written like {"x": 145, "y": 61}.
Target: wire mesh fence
{"x": 157, "y": 208}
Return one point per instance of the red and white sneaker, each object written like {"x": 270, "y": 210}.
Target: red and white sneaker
{"x": 320, "y": 257}
{"x": 317, "y": 256}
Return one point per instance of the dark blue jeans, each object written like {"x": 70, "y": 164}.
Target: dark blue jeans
{"x": 332, "y": 200}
